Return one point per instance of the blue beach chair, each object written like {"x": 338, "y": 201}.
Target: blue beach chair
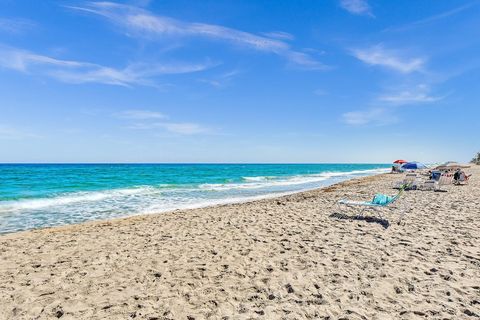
{"x": 379, "y": 202}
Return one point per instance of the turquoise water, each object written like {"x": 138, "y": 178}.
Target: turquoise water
{"x": 43, "y": 195}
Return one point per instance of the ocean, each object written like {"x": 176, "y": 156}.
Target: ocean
{"x": 44, "y": 195}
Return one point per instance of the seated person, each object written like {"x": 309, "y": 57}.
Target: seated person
{"x": 460, "y": 176}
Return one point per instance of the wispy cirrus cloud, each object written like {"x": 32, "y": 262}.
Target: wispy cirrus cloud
{"x": 221, "y": 80}
{"x": 154, "y": 120}
{"x": 142, "y": 23}
{"x": 384, "y": 108}
{"x": 358, "y": 7}
{"x": 140, "y": 115}
{"x": 183, "y": 128}
{"x": 304, "y": 61}
{"x": 15, "y": 25}
{"x": 186, "y": 128}
{"x": 434, "y": 18}
{"x": 77, "y": 72}
{"x": 390, "y": 59}
{"x": 279, "y": 35}
{"x": 375, "y": 116}
{"x": 416, "y": 95}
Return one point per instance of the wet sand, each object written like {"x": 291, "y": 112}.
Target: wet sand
{"x": 293, "y": 257}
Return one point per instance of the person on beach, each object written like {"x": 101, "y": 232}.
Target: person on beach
{"x": 395, "y": 169}
{"x": 456, "y": 175}
{"x": 460, "y": 176}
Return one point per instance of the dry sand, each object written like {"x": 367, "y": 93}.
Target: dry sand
{"x": 292, "y": 257}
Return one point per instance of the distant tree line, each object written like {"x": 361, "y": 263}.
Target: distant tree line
{"x": 476, "y": 159}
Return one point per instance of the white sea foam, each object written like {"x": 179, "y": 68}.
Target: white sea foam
{"x": 239, "y": 199}
{"x": 71, "y": 198}
{"x": 82, "y": 206}
{"x": 252, "y": 183}
{"x": 212, "y": 202}
{"x": 270, "y": 181}
{"x": 259, "y": 178}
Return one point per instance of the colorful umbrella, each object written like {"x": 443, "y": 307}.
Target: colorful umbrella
{"x": 413, "y": 166}
{"x": 400, "y": 161}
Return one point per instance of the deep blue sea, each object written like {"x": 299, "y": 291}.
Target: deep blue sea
{"x": 43, "y": 195}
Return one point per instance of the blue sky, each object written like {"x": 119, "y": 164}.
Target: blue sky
{"x": 239, "y": 81}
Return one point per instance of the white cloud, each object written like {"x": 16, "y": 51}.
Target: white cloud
{"x": 15, "y": 25}
{"x": 184, "y": 128}
{"x": 379, "y": 56}
{"x": 383, "y": 116}
{"x": 83, "y": 72}
{"x": 434, "y": 18}
{"x": 140, "y": 115}
{"x": 418, "y": 94}
{"x": 279, "y": 35}
{"x": 22, "y": 60}
{"x": 150, "y": 122}
{"x": 359, "y": 7}
{"x": 305, "y": 61}
{"x": 221, "y": 80}
{"x": 142, "y": 23}
{"x": 377, "y": 116}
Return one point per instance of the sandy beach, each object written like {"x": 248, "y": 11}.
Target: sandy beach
{"x": 293, "y": 257}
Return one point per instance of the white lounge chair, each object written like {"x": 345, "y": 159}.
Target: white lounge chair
{"x": 444, "y": 180}
{"x": 364, "y": 205}
{"x": 409, "y": 180}
{"x": 429, "y": 185}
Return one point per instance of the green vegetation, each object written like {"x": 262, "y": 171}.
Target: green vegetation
{"x": 476, "y": 159}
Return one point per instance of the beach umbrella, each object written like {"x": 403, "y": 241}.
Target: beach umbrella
{"x": 451, "y": 165}
{"x": 413, "y": 166}
{"x": 400, "y": 161}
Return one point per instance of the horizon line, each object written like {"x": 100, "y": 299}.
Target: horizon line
{"x": 183, "y": 163}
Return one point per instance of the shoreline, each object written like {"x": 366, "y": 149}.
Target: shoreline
{"x": 287, "y": 257}
{"x": 201, "y": 206}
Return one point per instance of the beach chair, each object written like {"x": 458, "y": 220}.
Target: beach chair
{"x": 411, "y": 179}
{"x": 429, "y": 185}
{"x": 446, "y": 179}
{"x": 436, "y": 185}
{"x": 379, "y": 202}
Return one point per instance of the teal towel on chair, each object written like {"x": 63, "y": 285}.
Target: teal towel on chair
{"x": 382, "y": 199}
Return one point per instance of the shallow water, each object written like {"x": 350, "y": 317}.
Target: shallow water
{"x": 42, "y": 195}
